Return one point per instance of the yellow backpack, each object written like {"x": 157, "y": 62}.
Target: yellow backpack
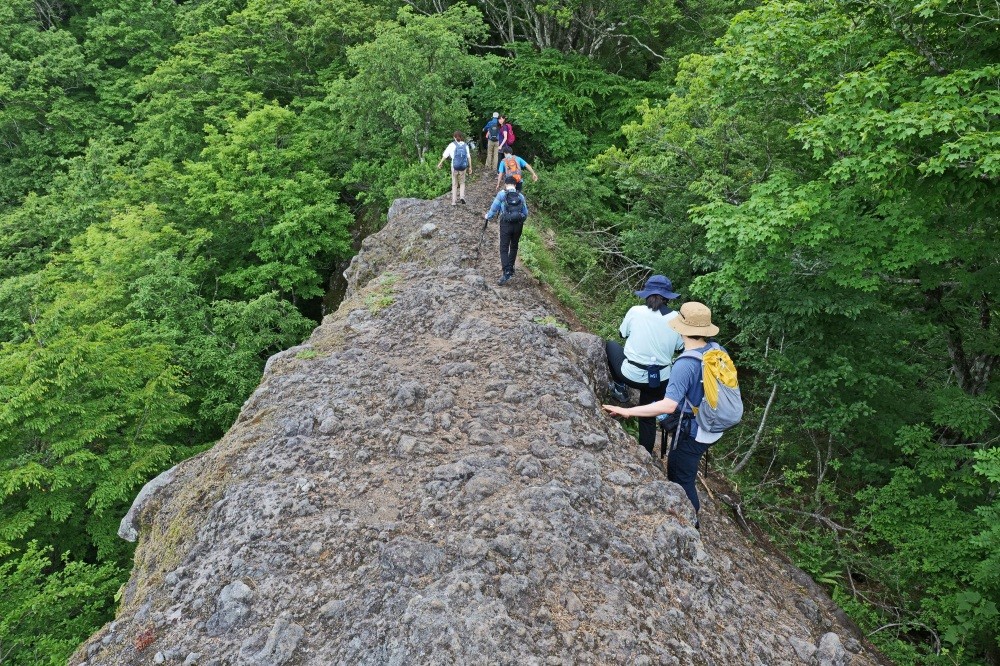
{"x": 722, "y": 406}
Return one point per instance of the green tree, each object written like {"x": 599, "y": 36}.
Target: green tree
{"x": 267, "y": 51}
{"x": 46, "y": 610}
{"x": 44, "y": 93}
{"x": 565, "y": 107}
{"x": 275, "y": 217}
{"x": 89, "y": 400}
{"x": 407, "y": 90}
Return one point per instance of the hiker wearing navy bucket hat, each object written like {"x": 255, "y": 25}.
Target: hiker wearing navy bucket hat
{"x": 645, "y": 360}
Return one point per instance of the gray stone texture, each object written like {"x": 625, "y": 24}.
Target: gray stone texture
{"x": 434, "y": 483}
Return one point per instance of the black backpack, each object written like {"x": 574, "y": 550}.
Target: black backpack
{"x": 512, "y": 209}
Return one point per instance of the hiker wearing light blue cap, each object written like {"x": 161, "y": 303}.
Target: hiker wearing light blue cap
{"x": 650, "y": 345}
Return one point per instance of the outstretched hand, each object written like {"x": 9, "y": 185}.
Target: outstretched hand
{"x": 615, "y": 410}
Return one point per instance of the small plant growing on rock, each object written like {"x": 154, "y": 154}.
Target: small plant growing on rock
{"x": 550, "y": 321}
{"x": 382, "y": 295}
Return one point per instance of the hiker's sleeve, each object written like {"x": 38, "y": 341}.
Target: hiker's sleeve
{"x": 495, "y": 208}
{"x": 681, "y": 376}
{"x": 626, "y": 326}
{"x": 449, "y": 151}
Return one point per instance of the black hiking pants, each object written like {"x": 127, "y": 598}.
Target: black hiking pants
{"x": 647, "y": 424}
{"x": 510, "y": 234}
{"x": 683, "y": 459}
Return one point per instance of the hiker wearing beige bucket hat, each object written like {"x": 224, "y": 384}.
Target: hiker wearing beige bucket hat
{"x": 694, "y": 320}
{"x": 685, "y": 390}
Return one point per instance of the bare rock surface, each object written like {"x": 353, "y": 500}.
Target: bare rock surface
{"x": 429, "y": 480}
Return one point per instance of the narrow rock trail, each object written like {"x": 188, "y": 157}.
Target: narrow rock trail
{"x": 429, "y": 479}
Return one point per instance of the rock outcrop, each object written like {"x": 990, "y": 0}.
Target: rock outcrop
{"x": 429, "y": 479}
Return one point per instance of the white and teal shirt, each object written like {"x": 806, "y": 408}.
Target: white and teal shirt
{"x": 648, "y": 341}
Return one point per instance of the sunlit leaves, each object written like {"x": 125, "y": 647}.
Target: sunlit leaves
{"x": 48, "y": 603}
{"x": 260, "y": 187}
{"x": 406, "y": 87}
{"x": 44, "y": 85}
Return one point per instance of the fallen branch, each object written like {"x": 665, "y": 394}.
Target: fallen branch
{"x": 818, "y": 517}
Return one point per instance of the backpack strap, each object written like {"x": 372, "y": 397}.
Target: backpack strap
{"x": 691, "y": 353}
{"x": 694, "y": 355}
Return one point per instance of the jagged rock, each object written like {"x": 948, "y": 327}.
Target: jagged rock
{"x": 831, "y": 652}
{"x": 127, "y": 529}
{"x": 803, "y": 648}
{"x": 429, "y": 479}
{"x": 281, "y": 642}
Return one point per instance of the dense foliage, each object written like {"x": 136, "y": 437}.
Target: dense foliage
{"x": 838, "y": 165}
{"x": 179, "y": 180}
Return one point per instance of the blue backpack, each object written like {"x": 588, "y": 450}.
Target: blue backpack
{"x": 460, "y": 162}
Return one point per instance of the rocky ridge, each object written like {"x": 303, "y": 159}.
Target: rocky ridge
{"x": 429, "y": 479}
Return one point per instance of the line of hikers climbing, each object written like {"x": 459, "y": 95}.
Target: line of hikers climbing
{"x": 686, "y": 381}
{"x": 509, "y": 204}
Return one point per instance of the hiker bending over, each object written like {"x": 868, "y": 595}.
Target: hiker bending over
{"x": 458, "y": 151}
{"x": 510, "y": 166}
{"x": 513, "y": 211}
{"x": 491, "y": 132}
{"x": 690, "y": 442}
{"x": 644, "y": 362}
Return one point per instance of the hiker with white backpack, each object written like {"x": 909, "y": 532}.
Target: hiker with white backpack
{"x": 458, "y": 152}
{"x": 703, "y": 388}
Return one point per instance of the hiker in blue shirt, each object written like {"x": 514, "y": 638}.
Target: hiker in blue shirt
{"x": 510, "y": 166}
{"x": 491, "y": 132}
{"x": 513, "y": 211}
{"x": 694, "y": 323}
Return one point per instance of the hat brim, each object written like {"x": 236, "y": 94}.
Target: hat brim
{"x": 646, "y": 293}
{"x": 678, "y": 325}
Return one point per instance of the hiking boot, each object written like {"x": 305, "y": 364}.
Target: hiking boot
{"x": 618, "y": 391}
{"x": 461, "y": 201}
{"x": 504, "y": 279}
